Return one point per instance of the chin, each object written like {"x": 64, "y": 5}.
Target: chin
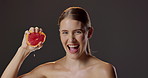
{"x": 74, "y": 55}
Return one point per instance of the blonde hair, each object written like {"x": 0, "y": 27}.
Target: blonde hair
{"x": 77, "y": 13}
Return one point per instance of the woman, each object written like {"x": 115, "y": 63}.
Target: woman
{"x": 75, "y": 31}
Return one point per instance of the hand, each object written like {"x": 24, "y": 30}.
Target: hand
{"x": 24, "y": 42}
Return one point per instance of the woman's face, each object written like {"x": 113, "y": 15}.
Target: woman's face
{"x": 73, "y": 36}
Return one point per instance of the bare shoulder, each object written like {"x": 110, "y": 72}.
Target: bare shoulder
{"x": 104, "y": 69}
{"x": 107, "y": 69}
{"x": 40, "y": 71}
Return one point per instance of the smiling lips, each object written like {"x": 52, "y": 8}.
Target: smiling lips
{"x": 73, "y": 48}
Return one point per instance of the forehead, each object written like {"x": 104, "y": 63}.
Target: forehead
{"x": 70, "y": 24}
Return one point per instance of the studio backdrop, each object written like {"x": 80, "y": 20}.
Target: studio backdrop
{"x": 120, "y": 32}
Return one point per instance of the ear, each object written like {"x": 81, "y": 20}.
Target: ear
{"x": 90, "y": 32}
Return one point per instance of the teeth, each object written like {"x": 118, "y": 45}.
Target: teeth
{"x": 73, "y": 45}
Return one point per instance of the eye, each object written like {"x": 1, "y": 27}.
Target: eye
{"x": 78, "y": 32}
{"x": 64, "y": 32}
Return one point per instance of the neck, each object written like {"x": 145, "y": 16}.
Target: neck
{"x": 76, "y": 63}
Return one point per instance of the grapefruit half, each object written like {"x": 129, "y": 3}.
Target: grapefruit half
{"x": 33, "y": 39}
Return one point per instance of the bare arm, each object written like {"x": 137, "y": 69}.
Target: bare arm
{"x": 13, "y": 67}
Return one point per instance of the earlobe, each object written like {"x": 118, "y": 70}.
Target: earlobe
{"x": 90, "y": 32}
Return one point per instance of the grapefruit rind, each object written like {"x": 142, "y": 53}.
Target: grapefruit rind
{"x": 38, "y": 43}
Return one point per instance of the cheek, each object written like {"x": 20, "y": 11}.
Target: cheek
{"x": 81, "y": 38}
{"x": 63, "y": 39}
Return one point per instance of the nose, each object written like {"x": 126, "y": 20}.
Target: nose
{"x": 72, "y": 38}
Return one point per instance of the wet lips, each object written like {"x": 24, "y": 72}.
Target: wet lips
{"x": 33, "y": 39}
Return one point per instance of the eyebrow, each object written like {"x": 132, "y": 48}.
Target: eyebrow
{"x": 74, "y": 30}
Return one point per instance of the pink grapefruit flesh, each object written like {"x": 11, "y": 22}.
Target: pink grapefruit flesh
{"x": 33, "y": 39}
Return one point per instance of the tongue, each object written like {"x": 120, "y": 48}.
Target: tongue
{"x": 73, "y": 50}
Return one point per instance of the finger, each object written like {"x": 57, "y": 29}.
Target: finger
{"x": 36, "y": 29}
{"x": 40, "y": 45}
{"x": 40, "y": 30}
{"x": 31, "y": 29}
{"x": 26, "y": 32}
{"x": 24, "y": 39}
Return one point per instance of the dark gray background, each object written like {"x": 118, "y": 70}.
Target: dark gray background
{"x": 120, "y": 36}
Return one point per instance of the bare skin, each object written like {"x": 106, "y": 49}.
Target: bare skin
{"x": 58, "y": 69}
{"x": 74, "y": 65}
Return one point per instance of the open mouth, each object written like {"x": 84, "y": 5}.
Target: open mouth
{"x": 73, "y": 48}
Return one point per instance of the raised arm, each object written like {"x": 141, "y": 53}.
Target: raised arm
{"x": 24, "y": 50}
